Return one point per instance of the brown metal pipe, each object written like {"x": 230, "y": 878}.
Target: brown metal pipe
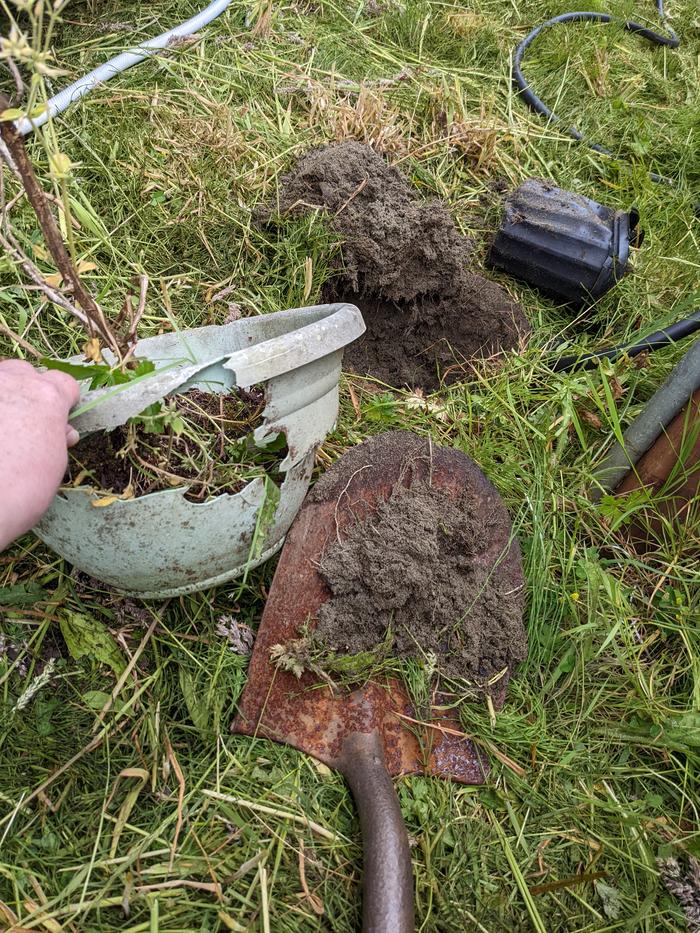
{"x": 672, "y": 466}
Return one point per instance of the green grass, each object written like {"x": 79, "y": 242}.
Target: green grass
{"x": 599, "y": 739}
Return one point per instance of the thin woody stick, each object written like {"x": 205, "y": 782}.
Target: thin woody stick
{"x": 95, "y": 319}
{"x": 20, "y": 341}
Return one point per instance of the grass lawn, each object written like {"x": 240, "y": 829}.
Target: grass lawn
{"x": 599, "y": 740}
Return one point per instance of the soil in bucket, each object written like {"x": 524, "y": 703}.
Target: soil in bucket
{"x": 413, "y": 581}
{"x": 197, "y": 439}
{"x": 405, "y": 265}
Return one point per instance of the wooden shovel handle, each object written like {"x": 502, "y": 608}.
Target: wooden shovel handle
{"x": 387, "y": 901}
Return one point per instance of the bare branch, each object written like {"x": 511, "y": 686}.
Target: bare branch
{"x": 4, "y": 329}
{"x": 5, "y": 155}
{"x": 94, "y": 318}
{"x": 125, "y": 312}
{"x": 140, "y": 308}
{"x": 135, "y": 316}
{"x": 8, "y": 243}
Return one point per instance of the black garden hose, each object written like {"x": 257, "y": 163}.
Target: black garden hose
{"x": 671, "y": 41}
{"x": 660, "y": 338}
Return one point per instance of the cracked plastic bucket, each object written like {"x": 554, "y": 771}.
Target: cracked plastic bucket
{"x": 162, "y": 544}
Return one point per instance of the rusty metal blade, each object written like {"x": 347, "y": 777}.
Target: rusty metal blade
{"x": 299, "y": 712}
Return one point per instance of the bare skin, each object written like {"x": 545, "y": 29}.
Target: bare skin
{"x": 34, "y": 441}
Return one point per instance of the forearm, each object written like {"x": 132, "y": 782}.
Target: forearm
{"x": 27, "y": 487}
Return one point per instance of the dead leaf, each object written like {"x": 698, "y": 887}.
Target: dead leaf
{"x": 590, "y": 417}
{"x": 313, "y": 899}
{"x": 103, "y": 502}
{"x": 322, "y": 769}
{"x": 180, "y": 799}
{"x": 141, "y": 776}
{"x": 617, "y": 388}
{"x": 230, "y": 923}
{"x": 8, "y": 914}
{"x": 355, "y": 402}
{"x": 93, "y": 350}
{"x": 611, "y": 899}
{"x": 308, "y": 277}
{"x": 80, "y": 478}
{"x": 260, "y": 18}
{"x": 47, "y": 923}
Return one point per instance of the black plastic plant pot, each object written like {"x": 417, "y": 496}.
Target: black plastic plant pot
{"x": 569, "y": 247}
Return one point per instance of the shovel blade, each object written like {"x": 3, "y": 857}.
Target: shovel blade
{"x": 316, "y": 719}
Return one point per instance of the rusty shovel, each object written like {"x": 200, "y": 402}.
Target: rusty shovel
{"x": 372, "y": 733}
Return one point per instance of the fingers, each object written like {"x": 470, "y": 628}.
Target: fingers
{"x": 16, "y": 367}
{"x": 67, "y": 387}
{"x": 72, "y": 436}
{"x": 64, "y": 385}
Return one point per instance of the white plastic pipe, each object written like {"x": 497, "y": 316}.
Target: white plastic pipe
{"x": 115, "y": 66}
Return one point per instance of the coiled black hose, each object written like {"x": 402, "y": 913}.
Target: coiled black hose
{"x": 671, "y": 41}
{"x": 687, "y": 326}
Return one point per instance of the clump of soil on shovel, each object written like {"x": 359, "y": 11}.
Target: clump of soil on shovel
{"x": 414, "y": 567}
{"x": 405, "y": 267}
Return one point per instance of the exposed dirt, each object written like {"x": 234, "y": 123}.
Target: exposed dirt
{"x": 98, "y": 454}
{"x": 132, "y": 457}
{"x": 415, "y": 566}
{"x": 405, "y": 265}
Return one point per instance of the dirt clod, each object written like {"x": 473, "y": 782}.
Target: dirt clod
{"x": 415, "y": 566}
{"x": 132, "y": 457}
{"x": 405, "y": 266}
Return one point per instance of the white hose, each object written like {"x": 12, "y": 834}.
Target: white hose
{"x": 115, "y": 66}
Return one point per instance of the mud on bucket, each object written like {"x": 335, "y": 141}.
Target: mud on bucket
{"x": 162, "y": 544}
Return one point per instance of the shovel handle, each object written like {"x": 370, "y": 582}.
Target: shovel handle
{"x": 387, "y": 901}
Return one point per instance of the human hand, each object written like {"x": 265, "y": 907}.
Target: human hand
{"x": 34, "y": 441}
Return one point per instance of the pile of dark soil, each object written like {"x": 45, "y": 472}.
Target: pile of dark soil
{"x": 405, "y": 267}
{"x": 414, "y": 567}
{"x": 203, "y": 453}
